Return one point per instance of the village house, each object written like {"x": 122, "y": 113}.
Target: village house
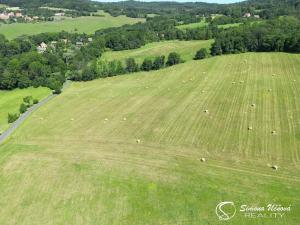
{"x": 4, "y": 16}
{"x": 247, "y": 15}
{"x": 59, "y": 14}
{"x": 42, "y": 47}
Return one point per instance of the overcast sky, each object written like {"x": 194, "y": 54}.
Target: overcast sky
{"x": 210, "y": 1}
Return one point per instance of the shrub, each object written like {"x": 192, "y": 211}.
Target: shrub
{"x": 27, "y": 99}
{"x": 131, "y": 65}
{"x": 23, "y": 108}
{"x": 159, "y": 62}
{"x": 35, "y": 101}
{"x": 146, "y": 65}
{"x": 201, "y": 54}
{"x": 12, "y": 117}
{"x": 173, "y": 59}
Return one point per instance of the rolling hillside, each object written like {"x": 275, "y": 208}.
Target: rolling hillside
{"x": 127, "y": 149}
{"x": 186, "y": 49}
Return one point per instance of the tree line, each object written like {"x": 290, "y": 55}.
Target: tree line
{"x": 277, "y": 35}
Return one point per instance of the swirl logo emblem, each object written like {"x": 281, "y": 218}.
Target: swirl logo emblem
{"x": 225, "y": 210}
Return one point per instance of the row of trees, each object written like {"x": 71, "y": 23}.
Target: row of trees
{"x": 102, "y": 69}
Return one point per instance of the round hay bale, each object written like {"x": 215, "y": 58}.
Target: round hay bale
{"x": 106, "y": 119}
{"x": 274, "y": 167}
{"x": 72, "y": 119}
{"x": 253, "y": 105}
{"x": 202, "y": 91}
{"x": 233, "y": 82}
{"x": 203, "y": 160}
{"x": 124, "y": 118}
{"x": 274, "y": 132}
{"x": 138, "y": 141}
{"x": 206, "y": 110}
{"x": 250, "y": 128}
{"x": 241, "y": 82}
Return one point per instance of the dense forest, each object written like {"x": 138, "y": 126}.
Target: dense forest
{"x": 281, "y": 34}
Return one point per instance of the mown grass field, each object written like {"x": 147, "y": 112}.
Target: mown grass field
{"x": 200, "y": 24}
{"x": 76, "y": 159}
{"x": 204, "y": 24}
{"x": 186, "y": 49}
{"x": 10, "y": 101}
{"x": 86, "y": 24}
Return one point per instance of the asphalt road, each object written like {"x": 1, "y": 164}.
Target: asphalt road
{"x": 25, "y": 115}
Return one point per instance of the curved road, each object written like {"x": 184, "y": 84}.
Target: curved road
{"x": 25, "y": 115}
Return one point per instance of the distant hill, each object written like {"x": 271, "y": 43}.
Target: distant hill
{"x": 80, "y": 5}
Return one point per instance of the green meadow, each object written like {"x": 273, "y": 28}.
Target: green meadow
{"x": 86, "y": 24}
{"x": 186, "y": 49}
{"x": 10, "y": 101}
{"x": 200, "y": 24}
{"x": 127, "y": 149}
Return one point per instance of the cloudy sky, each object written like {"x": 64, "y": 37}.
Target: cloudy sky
{"x": 210, "y": 1}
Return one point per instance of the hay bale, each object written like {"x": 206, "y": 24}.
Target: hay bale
{"x": 72, "y": 119}
{"x": 274, "y": 167}
{"x": 202, "y": 91}
{"x": 138, "y": 141}
{"x": 274, "y": 132}
{"x": 206, "y": 110}
{"x": 233, "y": 82}
{"x": 124, "y": 118}
{"x": 250, "y": 128}
{"x": 253, "y": 105}
{"x": 106, "y": 119}
{"x": 203, "y": 160}
{"x": 241, "y": 82}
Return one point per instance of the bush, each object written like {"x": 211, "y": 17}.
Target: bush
{"x": 35, "y": 101}
{"x": 159, "y": 62}
{"x": 57, "y": 91}
{"x": 201, "y": 54}
{"x": 146, "y": 65}
{"x": 27, "y": 99}
{"x": 12, "y": 117}
{"x": 173, "y": 59}
{"x": 131, "y": 65}
{"x": 23, "y": 108}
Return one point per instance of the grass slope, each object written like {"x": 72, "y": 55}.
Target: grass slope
{"x": 200, "y": 24}
{"x": 10, "y": 101}
{"x": 186, "y": 49}
{"x": 87, "y": 24}
{"x": 76, "y": 160}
